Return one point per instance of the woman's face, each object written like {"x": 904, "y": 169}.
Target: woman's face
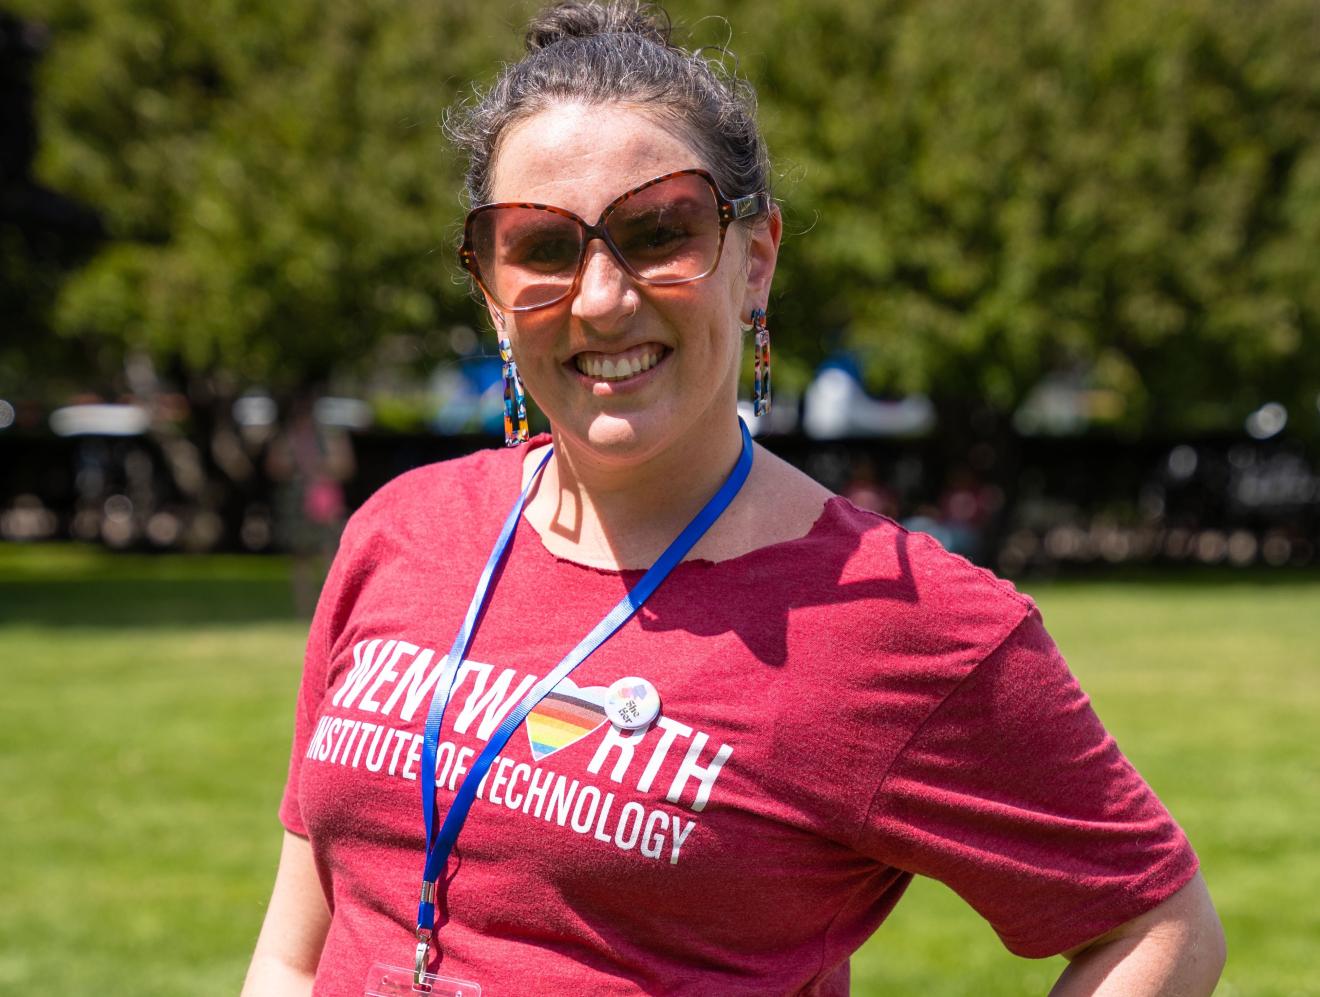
{"x": 688, "y": 336}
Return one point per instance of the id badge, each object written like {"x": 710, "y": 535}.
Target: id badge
{"x": 395, "y": 981}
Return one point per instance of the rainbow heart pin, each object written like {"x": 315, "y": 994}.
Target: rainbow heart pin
{"x": 565, "y": 716}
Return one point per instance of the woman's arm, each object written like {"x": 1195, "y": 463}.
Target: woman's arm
{"x": 1176, "y": 949}
{"x": 293, "y": 933}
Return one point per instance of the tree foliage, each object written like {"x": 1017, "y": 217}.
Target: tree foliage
{"x": 995, "y": 191}
{"x": 977, "y": 194}
{"x": 278, "y": 190}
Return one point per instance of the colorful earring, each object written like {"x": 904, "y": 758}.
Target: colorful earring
{"x": 760, "y": 364}
{"x": 515, "y": 400}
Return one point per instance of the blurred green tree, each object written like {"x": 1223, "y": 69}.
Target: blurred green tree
{"x": 986, "y": 193}
{"x": 277, "y": 190}
{"x": 977, "y": 194}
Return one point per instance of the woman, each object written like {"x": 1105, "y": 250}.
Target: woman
{"x": 729, "y": 790}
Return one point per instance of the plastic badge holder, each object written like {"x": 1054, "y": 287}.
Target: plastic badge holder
{"x": 395, "y": 981}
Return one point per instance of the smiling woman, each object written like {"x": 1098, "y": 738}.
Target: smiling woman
{"x": 647, "y": 292}
{"x": 699, "y": 722}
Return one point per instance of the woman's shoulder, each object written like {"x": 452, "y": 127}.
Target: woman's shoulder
{"x": 458, "y": 480}
{"x": 421, "y": 501}
{"x": 839, "y": 544}
{"x": 898, "y": 588}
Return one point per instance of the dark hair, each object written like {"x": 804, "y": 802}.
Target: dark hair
{"x": 617, "y": 51}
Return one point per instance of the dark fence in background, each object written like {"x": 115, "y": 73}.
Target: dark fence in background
{"x": 1024, "y": 505}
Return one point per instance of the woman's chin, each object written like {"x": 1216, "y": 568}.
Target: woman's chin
{"x": 620, "y": 434}
{"x": 618, "y": 437}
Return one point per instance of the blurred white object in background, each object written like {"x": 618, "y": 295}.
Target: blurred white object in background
{"x": 836, "y": 406}
{"x": 100, "y": 420}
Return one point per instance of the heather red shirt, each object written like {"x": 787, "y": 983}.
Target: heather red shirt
{"x": 839, "y": 712}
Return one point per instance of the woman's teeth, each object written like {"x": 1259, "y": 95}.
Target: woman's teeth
{"x": 615, "y": 368}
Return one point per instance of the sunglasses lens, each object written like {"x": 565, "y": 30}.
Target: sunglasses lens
{"x": 527, "y": 257}
{"x": 665, "y": 233}
{"x": 668, "y": 232}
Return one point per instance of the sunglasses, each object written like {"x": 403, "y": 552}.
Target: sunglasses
{"x": 667, "y": 231}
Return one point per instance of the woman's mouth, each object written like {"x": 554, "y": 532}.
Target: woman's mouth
{"x": 619, "y": 366}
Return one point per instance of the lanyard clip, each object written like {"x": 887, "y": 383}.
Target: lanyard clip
{"x": 420, "y": 960}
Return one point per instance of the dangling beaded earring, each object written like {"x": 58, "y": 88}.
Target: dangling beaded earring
{"x": 515, "y": 400}
{"x": 760, "y": 364}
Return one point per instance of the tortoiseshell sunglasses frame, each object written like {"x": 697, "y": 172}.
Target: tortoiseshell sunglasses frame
{"x": 731, "y": 209}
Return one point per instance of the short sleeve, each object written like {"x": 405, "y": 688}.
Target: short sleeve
{"x": 1014, "y": 795}
{"x": 311, "y": 691}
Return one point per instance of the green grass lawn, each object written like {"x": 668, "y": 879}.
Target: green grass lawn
{"x": 145, "y": 724}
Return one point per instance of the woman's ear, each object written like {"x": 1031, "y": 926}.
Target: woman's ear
{"x": 762, "y": 254}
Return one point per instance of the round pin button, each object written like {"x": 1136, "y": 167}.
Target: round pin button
{"x": 632, "y": 703}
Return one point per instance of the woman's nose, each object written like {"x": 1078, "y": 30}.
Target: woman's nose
{"x": 606, "y": 295}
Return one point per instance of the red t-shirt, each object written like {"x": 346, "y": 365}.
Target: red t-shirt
{"x": 840, "y": 712}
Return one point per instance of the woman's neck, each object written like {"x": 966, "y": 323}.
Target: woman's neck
{"x": 615, "y": 514}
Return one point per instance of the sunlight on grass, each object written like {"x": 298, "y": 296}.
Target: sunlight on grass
{"x": 144, "y": 735}
{"x": 142, "y": 749}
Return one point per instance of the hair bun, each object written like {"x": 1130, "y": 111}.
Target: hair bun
{"x": 585, "y": 19}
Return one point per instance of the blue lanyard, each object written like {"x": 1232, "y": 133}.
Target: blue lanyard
{"x": 439, "y": 846}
